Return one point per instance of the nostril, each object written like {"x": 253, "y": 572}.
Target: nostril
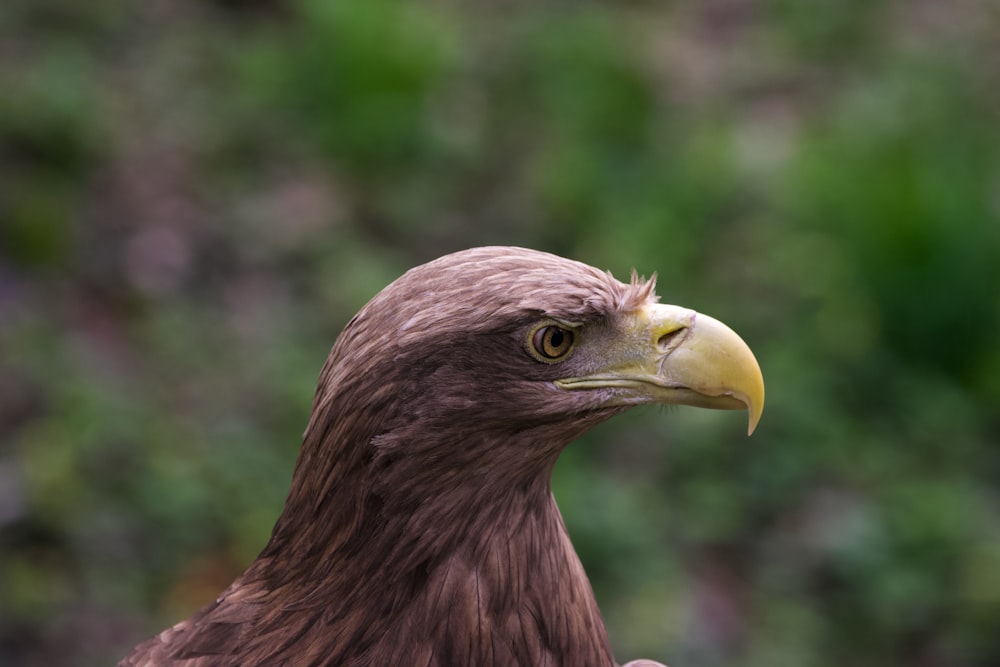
{"x": 669, "y": 339}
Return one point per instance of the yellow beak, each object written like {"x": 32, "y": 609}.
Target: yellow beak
{"x": 669, "y": 354}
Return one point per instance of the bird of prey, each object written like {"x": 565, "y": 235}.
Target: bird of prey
{"x": 420, "y": 528}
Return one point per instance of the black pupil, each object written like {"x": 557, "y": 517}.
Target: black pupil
{"x": 556, "y": 338}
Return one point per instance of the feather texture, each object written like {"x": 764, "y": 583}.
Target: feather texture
{"x": 420, "y": 528}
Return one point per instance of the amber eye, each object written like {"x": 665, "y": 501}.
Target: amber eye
{"x": 551, "y": 343}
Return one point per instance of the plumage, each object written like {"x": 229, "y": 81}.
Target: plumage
{"x": 420, "y": 528}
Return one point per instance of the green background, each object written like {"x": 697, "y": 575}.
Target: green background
{"x": 196, "y": 196}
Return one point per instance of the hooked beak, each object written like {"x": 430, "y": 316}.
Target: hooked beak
{"x": 669, "y": 354}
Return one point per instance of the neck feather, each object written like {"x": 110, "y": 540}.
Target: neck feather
{"x": 468, "y": 565}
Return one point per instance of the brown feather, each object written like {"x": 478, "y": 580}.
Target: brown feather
{"x": 420, "y": 527}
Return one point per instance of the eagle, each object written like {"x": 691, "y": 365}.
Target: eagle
{"x": 420, "y": 528}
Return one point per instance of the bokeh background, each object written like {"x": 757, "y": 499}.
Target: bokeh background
{"x": 196, "y": 196}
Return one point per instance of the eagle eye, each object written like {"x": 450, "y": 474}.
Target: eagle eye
{"x": 550, "y": 343}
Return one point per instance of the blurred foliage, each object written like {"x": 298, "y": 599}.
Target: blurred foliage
{"x": 195, "y": 197}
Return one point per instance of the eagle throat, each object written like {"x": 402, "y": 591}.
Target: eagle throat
{"x": 385, "y": 547}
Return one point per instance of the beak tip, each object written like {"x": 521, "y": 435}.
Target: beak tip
{"x": 754, "y": 411}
